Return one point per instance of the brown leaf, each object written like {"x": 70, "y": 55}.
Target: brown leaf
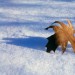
{"x": 63, "y": 34}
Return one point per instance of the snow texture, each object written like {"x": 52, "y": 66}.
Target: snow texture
{"x": 23, "y": 38}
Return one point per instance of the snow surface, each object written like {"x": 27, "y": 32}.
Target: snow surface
{"x": 23, "y": 38}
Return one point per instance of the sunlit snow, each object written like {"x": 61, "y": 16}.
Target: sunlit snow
{"x": 23, "y": 38}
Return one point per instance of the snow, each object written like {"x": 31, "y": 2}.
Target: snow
{"x": 23, "y": 38}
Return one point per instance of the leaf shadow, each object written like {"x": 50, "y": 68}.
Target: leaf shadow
{"x": 29, "y": 42}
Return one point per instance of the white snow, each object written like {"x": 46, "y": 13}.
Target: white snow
{"x": 23, "y": 38}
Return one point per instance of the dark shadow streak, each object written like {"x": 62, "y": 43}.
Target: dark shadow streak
{"x": 23, "y": 23}
{"x": 25, "y": 5}
{"x": 33, "y": 22}
{"x": 65, "y": 0}
{"x": 30, "y": 42}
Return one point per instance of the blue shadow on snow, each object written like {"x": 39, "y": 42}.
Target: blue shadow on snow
{"x": 30, "y": 42}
